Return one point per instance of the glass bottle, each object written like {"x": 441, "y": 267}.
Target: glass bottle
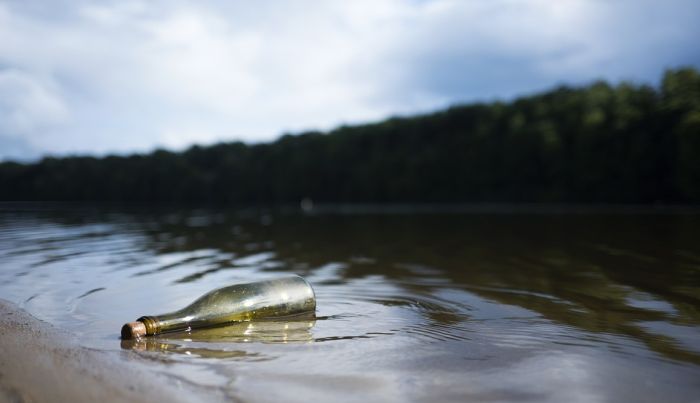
{"x": 283, "y": 297}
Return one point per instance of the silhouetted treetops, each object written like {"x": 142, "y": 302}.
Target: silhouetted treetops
{"x": 616, "y": 144}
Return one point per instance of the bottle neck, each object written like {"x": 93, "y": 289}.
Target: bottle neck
{"x": 170, "y": 322}
{"x": 152, "y": 324}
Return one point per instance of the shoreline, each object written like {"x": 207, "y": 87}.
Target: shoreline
{"x": 42, "y": 363}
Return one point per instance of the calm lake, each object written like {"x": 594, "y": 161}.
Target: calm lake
{"x": 414, "y": 304}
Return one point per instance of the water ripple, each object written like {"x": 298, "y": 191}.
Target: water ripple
{"x": 457, "y": 297}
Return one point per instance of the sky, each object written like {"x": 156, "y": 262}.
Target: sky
{"x": 98, "y": 77}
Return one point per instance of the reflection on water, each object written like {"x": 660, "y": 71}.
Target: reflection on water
{"x": 216, "y": 342}
{"x": 462, "y": 306}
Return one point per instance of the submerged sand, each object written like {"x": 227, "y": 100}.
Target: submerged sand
{"x": 40, "y": 363}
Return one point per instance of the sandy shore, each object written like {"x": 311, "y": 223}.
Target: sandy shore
{"x": 40, "y": 363}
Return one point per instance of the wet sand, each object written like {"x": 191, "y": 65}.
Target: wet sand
{"x": 40, "y": 363}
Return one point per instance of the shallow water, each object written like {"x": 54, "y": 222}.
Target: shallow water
{"x": 414, "y": 304}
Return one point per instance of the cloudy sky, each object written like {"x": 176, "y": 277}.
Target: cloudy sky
{"x": 121, "y": 76}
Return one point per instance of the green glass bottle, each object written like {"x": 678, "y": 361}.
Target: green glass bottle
{"x": 283, "y": 297}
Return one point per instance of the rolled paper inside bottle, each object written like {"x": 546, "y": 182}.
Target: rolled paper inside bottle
{"x": 283, "y": 297}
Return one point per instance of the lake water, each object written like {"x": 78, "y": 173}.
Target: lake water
{"x": 414, "y": 304}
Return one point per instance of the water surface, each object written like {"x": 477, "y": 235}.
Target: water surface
{"x": 464, "y": 304}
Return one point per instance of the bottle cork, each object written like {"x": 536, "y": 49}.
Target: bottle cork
{"x": 133, "y": 330}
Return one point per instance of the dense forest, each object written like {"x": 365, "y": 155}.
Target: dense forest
{"x": 626, "y": 143}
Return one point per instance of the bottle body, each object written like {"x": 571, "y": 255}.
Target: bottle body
{"x": 283, "y": 297}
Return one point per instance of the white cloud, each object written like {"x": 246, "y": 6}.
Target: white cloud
{"x": 28, "y": 104}
{"x": 131, "y": 75}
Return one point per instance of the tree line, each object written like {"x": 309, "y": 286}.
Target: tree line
{"x": 600, "y": 143}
